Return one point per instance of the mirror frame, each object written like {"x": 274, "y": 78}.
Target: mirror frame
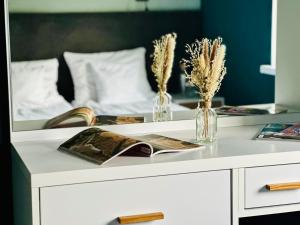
{"x": 8, "y": 63}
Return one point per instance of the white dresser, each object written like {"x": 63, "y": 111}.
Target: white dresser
{"x": 217, "y": 185}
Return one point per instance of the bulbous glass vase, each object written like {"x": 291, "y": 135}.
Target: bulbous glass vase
{"x": 206, "y": 124}
{"x": 162, "y": 107}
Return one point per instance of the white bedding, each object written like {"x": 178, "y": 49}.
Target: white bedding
{"x": 141, "y": 107}
{"x": 47, "y": 111}
{"x": 23, "y": 112}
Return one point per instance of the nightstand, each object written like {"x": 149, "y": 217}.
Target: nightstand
{"x": 191, "y": 102}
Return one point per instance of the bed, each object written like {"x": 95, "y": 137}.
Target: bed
{"x": 55, "y": 39}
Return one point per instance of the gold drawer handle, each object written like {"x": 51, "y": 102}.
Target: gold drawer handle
{"x": 140, "y": 218}
{"x": 283, "y": 186}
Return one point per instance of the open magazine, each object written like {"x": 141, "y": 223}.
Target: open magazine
{"x": 280, "y": 131}
{"x": 84, "y": 116}
{"x": 100, "y": 146}
{"x": 246, "y": 111}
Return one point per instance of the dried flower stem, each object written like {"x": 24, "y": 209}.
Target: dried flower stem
{"x": 205, "y": 67}
{"x": 163, "y": 58}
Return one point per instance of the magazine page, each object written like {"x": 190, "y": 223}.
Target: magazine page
{"x": 291, "y": 132}
{"x": 246, "y": 111}
{"x": 271, "y": 131}
{"x": 99, "y": 146}
{"x": 82, "y": 116}
{"x": 118, "y": 120}
{"x": 162, "y": 144}
{"x": 240, "y": 111}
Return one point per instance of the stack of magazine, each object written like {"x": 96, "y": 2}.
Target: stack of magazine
{"x": 280, "y": 131}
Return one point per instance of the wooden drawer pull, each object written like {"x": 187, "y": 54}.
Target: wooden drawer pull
{"x": 283, "y": 186}
{"x": 140, "y": 218}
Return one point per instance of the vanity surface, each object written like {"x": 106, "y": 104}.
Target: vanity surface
{"x": 235, "y": 148}
{"x": 232, "y": 172}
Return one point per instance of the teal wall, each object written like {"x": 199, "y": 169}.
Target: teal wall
{"x": 57, "y": 6}
{"x": 245, "y": 26}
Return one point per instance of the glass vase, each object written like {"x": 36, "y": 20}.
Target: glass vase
{"x": 206, "y": 124}
{"x": 162, "y": 107}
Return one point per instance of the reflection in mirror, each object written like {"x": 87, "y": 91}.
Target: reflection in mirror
{"x": 97, "y": 54}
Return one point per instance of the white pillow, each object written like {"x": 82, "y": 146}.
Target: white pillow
{"x": 118, "y": 83}
{"x": 84, "y": 80}
{"x": 34, "y": 82}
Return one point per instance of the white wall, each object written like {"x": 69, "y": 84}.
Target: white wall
{"x": 57, "y": 6}
{"x": 287, "y": 79}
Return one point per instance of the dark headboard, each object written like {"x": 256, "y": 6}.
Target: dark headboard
{"x": 42, "y": 36}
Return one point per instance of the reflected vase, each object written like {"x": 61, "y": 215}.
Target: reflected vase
{"x": 162, "y": 107}
{"x": 206, "y": 123}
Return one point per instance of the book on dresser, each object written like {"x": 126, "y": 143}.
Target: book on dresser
{"x": 84, "y": 116}
{"x": 100, "y": 146}
{"x": 280, "y": 131}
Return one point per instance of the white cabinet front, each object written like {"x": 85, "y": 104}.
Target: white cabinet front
{"x": 192, "y": 199}
{"x": 272, "y": 185}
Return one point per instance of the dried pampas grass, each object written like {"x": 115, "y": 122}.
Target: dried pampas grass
{"x": 163, "y": 58}
{"x": 205, "y": 67}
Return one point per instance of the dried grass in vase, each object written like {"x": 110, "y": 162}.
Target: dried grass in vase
{"x": 163, "y": 58}
{"x": 206, "y": 69}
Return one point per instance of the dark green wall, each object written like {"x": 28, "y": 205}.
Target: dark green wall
{"x": 245, "y": 26}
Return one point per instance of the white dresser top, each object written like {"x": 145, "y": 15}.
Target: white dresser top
{"x": 235, "y": 148}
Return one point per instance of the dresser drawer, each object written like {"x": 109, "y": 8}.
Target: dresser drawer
{"x": 193, "y": 199}
{"x": 272, "y": 185}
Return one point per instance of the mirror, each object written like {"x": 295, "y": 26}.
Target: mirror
{"x": 98, "y": 54}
